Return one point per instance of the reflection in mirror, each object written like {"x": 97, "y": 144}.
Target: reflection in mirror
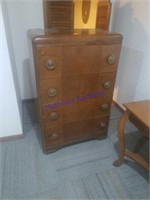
{"x": 85, "y": 14}
{"x": 86, "y": 5}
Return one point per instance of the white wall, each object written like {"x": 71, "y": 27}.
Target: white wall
{"x": 24, "y": 15}
{"x": 11, "y": 53}
{"x": 10, "y": 120}
{"x": 133, "y": 79}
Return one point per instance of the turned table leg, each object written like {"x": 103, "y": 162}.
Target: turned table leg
{"x": 121, "y": 126}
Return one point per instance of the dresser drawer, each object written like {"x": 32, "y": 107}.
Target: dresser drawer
{"x": 76, "y": 86}
{"x": 101, "y": 107}
{"x": 92, "y": 59}
{"x": 49, "y": 62}
{"x": 50, "y": 90}
{"x": 55, "y": 114}
{"x": 85, "y": 129}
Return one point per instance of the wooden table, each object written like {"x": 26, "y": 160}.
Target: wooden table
{"x": 139, "y": 114}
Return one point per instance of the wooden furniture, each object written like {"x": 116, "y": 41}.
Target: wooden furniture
{"x": 139, "y": 114}
{"x": 60, "y": 14}
{"x": 103, "y": 15}
{"x": 75, "y": 75}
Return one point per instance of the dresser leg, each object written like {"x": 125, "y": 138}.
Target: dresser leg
{"x": 121, "y": 138}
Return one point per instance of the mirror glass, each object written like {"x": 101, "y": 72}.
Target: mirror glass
{"x": 85, "y": 13}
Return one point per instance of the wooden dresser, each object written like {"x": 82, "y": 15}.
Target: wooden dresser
{"x": 75, "y": 76}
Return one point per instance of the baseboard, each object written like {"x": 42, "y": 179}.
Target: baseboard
{"x": 118, "y": 106}
{"x": 11, "y": 138}
{"x": 29, "y": 100}
{"x": 19, "y": 136}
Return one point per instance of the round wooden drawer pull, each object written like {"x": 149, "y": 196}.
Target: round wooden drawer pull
{"x": 53, "y": 115}
{"x": 111, "y": 59}
{"x": 50, "y": 64}
{"x": 104, "y": 106}
{"x": 107, "y": 84}
{"x": 102, "y": 125}
{"x": 54, "y": 136}
{"x": 52, "y": 92}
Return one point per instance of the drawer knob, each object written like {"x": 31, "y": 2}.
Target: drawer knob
{"x": 54, "y": 136}
{"x": 111, "y": 59}
{"x": 104, "y": 106}
{"x": 102, "y": 125}
{"x": 52, "y": 92}
{"x": 53, "y": 115}
{"x": 107, "y": 84}
{"x": 50, "y": 64}
{"x": 42, "y": 53}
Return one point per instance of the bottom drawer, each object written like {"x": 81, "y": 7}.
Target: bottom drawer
{"x": 85, "y": 129}
{"x": 77, "y": 131}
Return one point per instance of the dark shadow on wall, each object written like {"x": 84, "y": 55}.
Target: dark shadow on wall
{"x": 29, "y": 71}
{"x": 29, "y": 78}
{"x": 132, "y": 60}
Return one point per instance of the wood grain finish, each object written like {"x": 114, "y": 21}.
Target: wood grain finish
{"x": 99, "y": 59}
{"x": 138, "y": 113}
{"x": 103, "y": 14}
{"x": 58, "y": 14}
{"x": 141, "y": 111}
{"x": 75, "y": 89}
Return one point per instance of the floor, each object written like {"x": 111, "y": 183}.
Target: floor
{"x": 81, "y": 171}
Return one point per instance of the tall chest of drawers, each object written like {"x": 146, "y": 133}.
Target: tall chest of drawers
{"x": 75, "y": 76}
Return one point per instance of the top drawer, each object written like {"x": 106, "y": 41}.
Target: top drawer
{"x": 90, "y": 59}
{"x": 76, "y": 60}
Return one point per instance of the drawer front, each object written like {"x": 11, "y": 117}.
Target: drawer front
{"x": 76, "y": 86}
{"x": 50, "y": 90}
{"x": 72, "y": 89}
{"x": 49, "y": 62}
{"x": 86, "y": 109}
{"x": 55, "y": 137}
{"x": 90, "y": 59}
{"x": 56, "y": 114}
{"x": 85, "y": 129}
{"x": 101, "y": 107}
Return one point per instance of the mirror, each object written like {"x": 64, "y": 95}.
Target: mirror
{"x": 77, "y": 14}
